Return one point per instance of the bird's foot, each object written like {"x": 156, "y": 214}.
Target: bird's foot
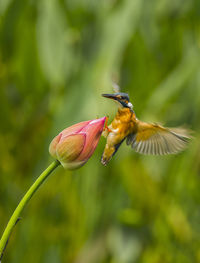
{"x": 106, "y": 125}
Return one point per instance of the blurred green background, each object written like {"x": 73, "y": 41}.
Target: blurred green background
{"x": 56, "y": 58}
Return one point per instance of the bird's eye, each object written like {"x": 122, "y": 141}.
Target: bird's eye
{"x": 124, "y": 99}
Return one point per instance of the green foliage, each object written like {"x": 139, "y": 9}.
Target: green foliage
{"x": 56, "y": 58}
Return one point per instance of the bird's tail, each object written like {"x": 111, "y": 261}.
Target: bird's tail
{"x": 109, "y": 152}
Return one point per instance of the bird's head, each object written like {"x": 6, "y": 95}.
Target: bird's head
{"x": 121, "y": 97}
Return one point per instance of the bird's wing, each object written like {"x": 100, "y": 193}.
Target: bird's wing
{"x": 116, "y": 87}
{"x": 157, "y": 140}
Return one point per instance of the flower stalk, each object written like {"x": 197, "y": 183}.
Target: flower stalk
{"x": 15, "y": 216}
{"x": 71, "y": 148}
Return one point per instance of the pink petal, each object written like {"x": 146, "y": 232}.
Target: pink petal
{"x": 53, "y": 145}
{"x": 69, "y": 149}
{"x": 74, "y": 128}
{"x": 93, "y": 133}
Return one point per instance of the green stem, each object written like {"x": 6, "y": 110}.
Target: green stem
{"x": 15, "y": 216}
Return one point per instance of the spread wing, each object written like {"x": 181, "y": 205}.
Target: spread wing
{"x": 116, "y": 87}
{"x": 157, "y": 140}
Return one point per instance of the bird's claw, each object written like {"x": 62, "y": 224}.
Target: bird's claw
{"x": 106, "y": 125}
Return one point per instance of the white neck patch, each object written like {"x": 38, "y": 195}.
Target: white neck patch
{"x": 130, "y": 105}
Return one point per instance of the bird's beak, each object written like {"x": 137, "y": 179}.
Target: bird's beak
{"x": 110, "y": 96}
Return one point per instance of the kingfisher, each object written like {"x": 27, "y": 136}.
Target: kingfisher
{"x": 143, "y": 137}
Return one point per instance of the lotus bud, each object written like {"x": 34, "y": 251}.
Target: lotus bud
{"x": 75, "y": 145}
